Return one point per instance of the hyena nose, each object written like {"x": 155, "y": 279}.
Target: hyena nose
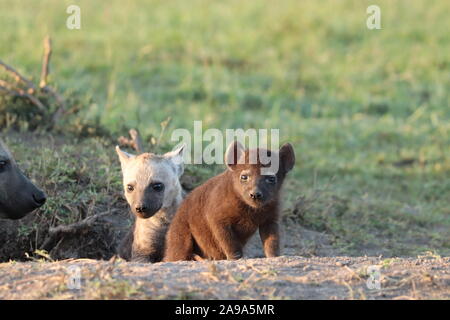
{"x": 39, "y": 198}
{"x": 141, "y": 209}
{"x": 256, "y": 195}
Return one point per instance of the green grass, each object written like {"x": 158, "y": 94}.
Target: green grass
{"x": 367, "y": 111}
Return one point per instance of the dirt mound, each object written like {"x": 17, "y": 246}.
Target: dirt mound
{"x": 99, "y": 240}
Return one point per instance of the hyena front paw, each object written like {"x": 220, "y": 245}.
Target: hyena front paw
{"x": 145, "y": 258}
{"x": 140, "y": 259}
{"x": 235, "y": 255}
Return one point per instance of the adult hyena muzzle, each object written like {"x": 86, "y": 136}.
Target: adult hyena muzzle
{"x": 18, "y": 195}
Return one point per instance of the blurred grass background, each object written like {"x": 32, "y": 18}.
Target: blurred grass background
{"x": 367, "y": 110}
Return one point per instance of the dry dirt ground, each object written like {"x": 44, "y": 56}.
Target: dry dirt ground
{"x": 286, "y": 277}
{"x": 310, "y": 269}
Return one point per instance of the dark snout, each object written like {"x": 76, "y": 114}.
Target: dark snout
{"x": 146, "y": 210}
{"x": 22, "y": 197}
{"x": 35, "y": 199}
{"x": 256, "y": 198}
{"x": 39, "y": 198}
{"x": 145, "y": 202}
{"x": 260, "y": 195}
{"x": 256, "y": 195}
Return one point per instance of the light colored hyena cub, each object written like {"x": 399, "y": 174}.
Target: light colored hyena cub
{"x": 153, "y": 191}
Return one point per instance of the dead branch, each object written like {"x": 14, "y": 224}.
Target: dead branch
{"x": 44, "y": 75}
{"x": 5, "y": 86}
{"x": 78, "y": 227}
{"x": 31, "y": 89}
{"x": 59, "y": 101}
{"x": 46, "y": 62}
{"x": 18, "y": 77}
{"x": 10, "y": 92}
{"x": 135, "y": 142}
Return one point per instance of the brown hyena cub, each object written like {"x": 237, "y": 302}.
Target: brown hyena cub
{"x": 216, "y": 220}
{"x": 153, "y": 191}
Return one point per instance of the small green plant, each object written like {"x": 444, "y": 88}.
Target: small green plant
{"x": 386, "y": 263}
{"x": 25, "y": 230}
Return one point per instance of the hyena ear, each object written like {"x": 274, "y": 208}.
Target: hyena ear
{"x": 123, "y": 156}
{"x": 176, "y": 157}
{"x": 287, "y": 156}
{"x": 234, "y": 152}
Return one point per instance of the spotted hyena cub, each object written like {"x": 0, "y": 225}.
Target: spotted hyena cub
{"x": 153, "y": 191}
{"x": 216, "y": 220}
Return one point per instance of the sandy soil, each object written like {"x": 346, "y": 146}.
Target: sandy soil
{"x": 286, "y": 277}
{"x": 311, "y": 268}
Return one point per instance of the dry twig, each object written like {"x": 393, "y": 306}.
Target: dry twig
{"x": 44, "y": 75}
{"x": 77, "y": 227}
{"x": 31, "y": 89}
{"x": 46, "y": 62}
{"x": 10, "y": 89}
{"x": 18, "y": 77}
{"x": 135, "y": 142}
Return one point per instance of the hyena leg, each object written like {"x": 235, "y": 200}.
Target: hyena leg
{"x": 141, "y": 258}
{"x": 179, "y": 241}
{"x": 227, "y": 240}
{"x": 151, "y": 250}
{"x": 125, "y": 246}
{"x": 270, "y": 237}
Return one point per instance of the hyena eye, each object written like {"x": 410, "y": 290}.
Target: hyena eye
{"x": 158, "y": 187}
{"x": 3, "y": 164}
{"x": 271, "y": 179}
{"x": 130, "y": 188}
{"x": 244, "y": 177}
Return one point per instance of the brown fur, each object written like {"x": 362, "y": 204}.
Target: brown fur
{"x": 216, "y": 220}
